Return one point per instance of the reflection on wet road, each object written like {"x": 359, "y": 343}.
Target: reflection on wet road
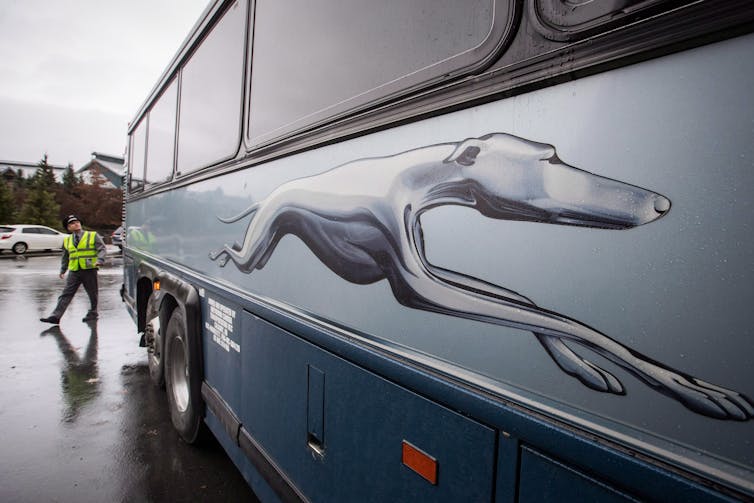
{"x": 79, "y": 381}
{"x": 79, "y": 418}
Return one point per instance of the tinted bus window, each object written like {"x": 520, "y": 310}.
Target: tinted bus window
{"x": 138, "y": 152}
{"x": 211, "y": 94}
{"x": 313, "y": 60}
{"x": 162, "y": 137}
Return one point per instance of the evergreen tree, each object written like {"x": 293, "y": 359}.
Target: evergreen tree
{"x": 40, "y": 206}
{"x": 20, "y": 180}
{"x": 70, "y": 180}
{"x": 45, "y": 171}
{"x": 7, "y": 204}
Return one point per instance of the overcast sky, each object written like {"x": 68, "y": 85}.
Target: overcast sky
{"x": 74, "y": 72}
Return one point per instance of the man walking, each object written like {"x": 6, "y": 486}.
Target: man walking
{"x": 83, "y": 253}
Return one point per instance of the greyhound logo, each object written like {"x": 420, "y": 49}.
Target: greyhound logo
{"x": 363, "y": 221}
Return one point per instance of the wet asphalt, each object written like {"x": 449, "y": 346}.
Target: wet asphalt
{"x": 80, "y": 420}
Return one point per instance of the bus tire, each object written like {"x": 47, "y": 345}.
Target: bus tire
{"x": 183, "y": 377}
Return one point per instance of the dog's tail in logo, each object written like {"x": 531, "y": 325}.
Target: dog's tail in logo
{"x": 248, "y": 211}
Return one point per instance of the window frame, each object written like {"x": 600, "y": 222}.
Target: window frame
{"x": 205, "y": 33}
{"x": 146, "y": 183}
{"x": 203, "y": 27}
{"x": 143, "y": 121}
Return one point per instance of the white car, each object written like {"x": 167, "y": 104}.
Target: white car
{"x": 23, "y": 238}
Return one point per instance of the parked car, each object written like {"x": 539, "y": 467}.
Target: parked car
{"x": 22, "y": 238}
{"x": 117, "y": 237}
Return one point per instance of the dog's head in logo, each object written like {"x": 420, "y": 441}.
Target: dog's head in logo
{"x": 517, "y": 179}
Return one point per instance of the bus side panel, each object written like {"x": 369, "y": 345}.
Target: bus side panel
{"x": 222, "y": 368}
{"x": 353, "y": 450}
{"x": 543, "y": 479}
{"x": 674, "y": 290}
{"x": 256, "y": 481}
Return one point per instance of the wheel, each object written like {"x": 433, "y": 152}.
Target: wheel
{"x": 155, "y": 350}
{"x": 20, "y": 248}
{"x": 183, "y": 377}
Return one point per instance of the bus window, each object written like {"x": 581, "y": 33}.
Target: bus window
{"x": 138, "y": 153}
{"x": 313, "y": 60}
{"x": 162, "y": 137}
{"x": 211, "y": 94}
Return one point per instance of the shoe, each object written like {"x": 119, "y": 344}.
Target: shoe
{"x": 55, "y": 331}
{"x": 50, "y": 319}
{"x": 90, "y": 317}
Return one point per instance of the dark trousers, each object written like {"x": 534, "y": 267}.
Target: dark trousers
{"x": 87, "y": 277}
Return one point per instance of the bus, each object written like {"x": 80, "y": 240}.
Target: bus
{"x": 442, "y": 250}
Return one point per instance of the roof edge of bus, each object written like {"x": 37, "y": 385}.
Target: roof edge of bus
{"x": 197, "y": 30}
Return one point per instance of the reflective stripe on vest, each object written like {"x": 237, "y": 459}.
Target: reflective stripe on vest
{"x": 141, "y": 240}
{"x": 83, "y": 256}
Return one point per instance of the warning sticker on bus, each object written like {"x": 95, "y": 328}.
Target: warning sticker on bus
{"x": 221, "y": 325}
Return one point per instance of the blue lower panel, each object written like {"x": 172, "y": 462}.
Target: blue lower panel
{"x": 543, "y": 479}
{"x": 255, "y": 480}
{"x": 337, "y": 430}
{"x": 222, "y": 363}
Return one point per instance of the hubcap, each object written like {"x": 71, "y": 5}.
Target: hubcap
{"x": 179, "y": 373}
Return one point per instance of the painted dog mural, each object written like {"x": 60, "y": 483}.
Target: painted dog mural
{"x": 362, "y": 220}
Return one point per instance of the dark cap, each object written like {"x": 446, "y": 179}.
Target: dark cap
{"x": 69, "y": 219}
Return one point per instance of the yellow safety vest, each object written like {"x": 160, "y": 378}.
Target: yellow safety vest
{"x": 83, "y": 256}
{"x": 140, "y": 239}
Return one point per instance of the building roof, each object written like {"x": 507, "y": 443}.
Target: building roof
{"x": 29, "y": 168}
{"x": 110, "y": 166}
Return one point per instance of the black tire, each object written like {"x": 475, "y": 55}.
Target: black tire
{"x": 20, "y": 248}
{"x": 183, "y": 377}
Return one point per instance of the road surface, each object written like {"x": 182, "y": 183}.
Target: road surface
{"x": 79, "y": 418}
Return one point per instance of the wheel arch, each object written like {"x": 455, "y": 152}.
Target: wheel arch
{"x": 143, "y": 292}
{"x": 177, "y": 292}
{"x": 25, "y": 247}
{"x": 147, "y": 274}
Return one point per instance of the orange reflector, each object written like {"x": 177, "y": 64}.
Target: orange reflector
{"x": 156, "y": 284}
{"x": 420, "y": 462}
